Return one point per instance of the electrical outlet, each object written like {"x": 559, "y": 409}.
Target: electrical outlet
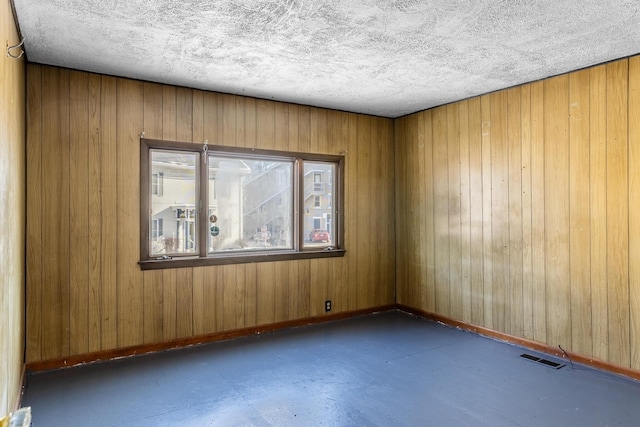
{"x": 327, "y": 305}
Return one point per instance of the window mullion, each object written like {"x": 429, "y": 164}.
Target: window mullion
{"x": 203, "y": 207}
{"x": 298, "y": 188}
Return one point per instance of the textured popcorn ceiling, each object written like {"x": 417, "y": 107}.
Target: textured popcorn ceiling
{"x": 381, "y": 57}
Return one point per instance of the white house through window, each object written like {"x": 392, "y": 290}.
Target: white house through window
{"x": 225, "y": 202}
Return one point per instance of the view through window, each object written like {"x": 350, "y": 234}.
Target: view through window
{"x": 217, "y": 202}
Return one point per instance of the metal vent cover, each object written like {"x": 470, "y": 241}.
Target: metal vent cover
{"x": 546, "y": 362}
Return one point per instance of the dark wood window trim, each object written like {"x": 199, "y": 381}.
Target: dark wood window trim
{"x": 203, "y": 258}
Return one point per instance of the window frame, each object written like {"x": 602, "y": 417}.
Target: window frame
{"x": 202, "y": 258}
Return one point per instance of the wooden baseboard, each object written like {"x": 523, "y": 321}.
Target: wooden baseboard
{"x": 523, "y": 342}
{"x": 51, "y": 364}
{"x": 66, "y": 362}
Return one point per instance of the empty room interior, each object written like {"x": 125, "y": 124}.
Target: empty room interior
{"x": 320, "y": 212}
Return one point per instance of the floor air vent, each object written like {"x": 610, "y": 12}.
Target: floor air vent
{"x": 546, "y": 362}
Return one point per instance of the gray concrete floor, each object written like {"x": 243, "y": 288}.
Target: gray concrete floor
{"x": 387, "y": 369}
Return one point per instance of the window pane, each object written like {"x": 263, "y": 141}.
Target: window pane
{"x": 318, "y": 204}
{"x": 250, "y": 204}
{"x": 173, "y": 203}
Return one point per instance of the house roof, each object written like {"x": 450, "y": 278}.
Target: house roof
{"x": 380, "y": 57}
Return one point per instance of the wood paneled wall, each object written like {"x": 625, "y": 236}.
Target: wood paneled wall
{"x": 518, "y": 211}
{"x": 12, "y": 217}
{"x": 85, "y": 291}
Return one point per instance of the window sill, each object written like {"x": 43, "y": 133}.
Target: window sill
{"x": 181, "y": 262}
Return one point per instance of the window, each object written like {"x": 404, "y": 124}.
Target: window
{"x": 157, "y": 184}
{"x": 224, "y": 205}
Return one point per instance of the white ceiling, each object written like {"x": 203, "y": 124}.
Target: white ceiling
{"x": 381, "y": 57}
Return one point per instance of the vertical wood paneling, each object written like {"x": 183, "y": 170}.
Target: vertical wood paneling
{"x": 228, "y": 103}
{"x": 415, "y": 211}
{"x": 597, "y": 211}
{"x": 266, "y": 301}
{"x": 499, "y": 212}
{"x": 465, "y": 212}
{"x": 212, "y": 113}
{"x": 618, "y": 212}
{"x": 199, "y": 310}
{"x": 441, "y": 209}
{"x": 387, "y": 218}
{"x": 34, "y": 214}
{"x": 552, "y": 178}
{"x": 169, "y": 305}
{"x": 282, "y": 291}
{"x": 250, "y": 123}
{"x": 487, "y": 242}
{"x": 364, "y": 237}
{"x": 218, "y": 284}
{"x": 239, "y": 126}
{"x": 129, "y": 111}
{"x": 377, "y": 182}
{"x": 251, "y": 300}
{"x": 79, "y": 213}
{"x": 514, "y": 184}
{"x": 402, "y": 200}
{"x": 409, "y": 277}
{"x": 210, "y": 306}
{"x": 634, "y": 220}
{"x": 454, "y": 233}
{"x": 197, "y": 98}
{"x": 580, "y": 243}
{"x": 556, "y": 139}
{"x": 184, "y": 111}
{"x": 475, "y": 201}
{"x": 240, "y": 295}
{"x": 94, "y": 213}
{"x": 409, "y": 209}
{"x": 527, "y": 209}
{"x": 538, "y": 257}
{"x": 55, "y": 205}
{"x": 109, "y": 219}
{"x": 229, "y": 307}
{"x": 184, "y": 303}
{"x": 426, "y": 140}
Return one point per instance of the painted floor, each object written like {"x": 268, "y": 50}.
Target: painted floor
{"x": 386, "y": 369}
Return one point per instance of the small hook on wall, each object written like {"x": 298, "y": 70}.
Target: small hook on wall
{"x": 18, "y": 46}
